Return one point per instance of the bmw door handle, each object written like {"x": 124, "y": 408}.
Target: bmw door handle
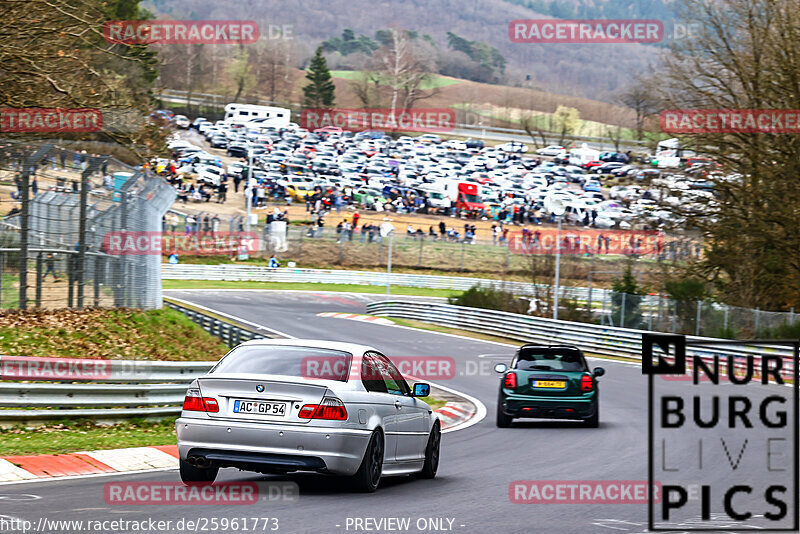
{"x": 398, "y": 405}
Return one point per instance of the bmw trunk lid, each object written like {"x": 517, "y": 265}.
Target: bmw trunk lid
{"x": 268, "y": 400}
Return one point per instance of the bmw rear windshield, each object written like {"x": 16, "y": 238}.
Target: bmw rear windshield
{"x": 299, "y": 362}
{"x": 550, "y": 359}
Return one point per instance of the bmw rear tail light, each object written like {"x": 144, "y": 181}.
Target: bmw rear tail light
{"x": 331, "y": 409}
{"x": 587, "y": 384}
{"x": 193, "y": 402}
{"x": 510, "y": 381}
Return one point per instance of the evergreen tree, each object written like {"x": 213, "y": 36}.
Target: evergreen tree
{"x": 319, "y": 93}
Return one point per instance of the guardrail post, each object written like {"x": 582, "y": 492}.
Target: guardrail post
{"x": 791, "y": 315}
{"x": 725, "y": 318}
{"x": 622, "y": 312}
{"x": 758, "y": 317}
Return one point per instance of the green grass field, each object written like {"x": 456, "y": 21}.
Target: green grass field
{"x": 434, "y": 82}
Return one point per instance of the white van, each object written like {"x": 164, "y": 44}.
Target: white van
{"x": 244, "y": 113}
{"x": 581, "y": 156}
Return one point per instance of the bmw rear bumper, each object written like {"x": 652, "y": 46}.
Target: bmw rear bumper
{"x": 272, "y": 448}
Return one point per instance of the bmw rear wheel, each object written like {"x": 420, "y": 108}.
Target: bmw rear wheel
{"x": 369, "y": 472}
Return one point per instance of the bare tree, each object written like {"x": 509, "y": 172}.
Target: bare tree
{"x": 367, "y": 88}
{"x": 642, "y": 100}
{"x": 743, "y": 57}
{"x": 404, "y": 69}
{"x": 271, "y": 64}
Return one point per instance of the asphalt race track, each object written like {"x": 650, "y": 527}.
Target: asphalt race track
{"x": 478, "y": 463}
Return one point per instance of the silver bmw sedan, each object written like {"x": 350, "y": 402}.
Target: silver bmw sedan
{"x": 280, "y": 406}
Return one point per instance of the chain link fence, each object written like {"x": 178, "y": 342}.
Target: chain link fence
{"x": 52, "y": 251}
{"x": 691, "y": 317}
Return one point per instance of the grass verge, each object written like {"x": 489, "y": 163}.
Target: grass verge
{"x": 163, "y": 334}
{"x": 73, "y": 436}
{"x": 348, "y": 288}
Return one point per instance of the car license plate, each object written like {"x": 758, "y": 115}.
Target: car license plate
{"x": 277, "y": 409}
{"x": 553, "y": 384}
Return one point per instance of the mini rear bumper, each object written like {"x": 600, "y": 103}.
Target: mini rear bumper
{"x": 267, "y": 448}
{"x": 582, "y": 407}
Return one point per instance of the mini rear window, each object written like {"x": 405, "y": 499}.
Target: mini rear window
{"x": 300, "y": 362}
{"x": 550, "y": 359}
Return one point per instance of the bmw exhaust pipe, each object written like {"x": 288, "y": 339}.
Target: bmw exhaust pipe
{"x": 198, "y": 461}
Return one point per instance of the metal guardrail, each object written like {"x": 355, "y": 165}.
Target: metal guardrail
{"x": 597, "y": 339}
{"x": 112, "y": 389}
{"x": 230, "y": 333}
{"x": 333, "y": 276}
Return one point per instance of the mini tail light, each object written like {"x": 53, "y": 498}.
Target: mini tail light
{"x": 511, "y": 381}
{"x": 330, "y": 408}
{"x": 193, "y": 402}
{"x": 587, "y": 384}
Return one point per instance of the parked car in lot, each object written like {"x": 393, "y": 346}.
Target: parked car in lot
{"x": 606, "y": 168}
{"x": 181, "y": 121}
{"x": 550, "y": 382}
{"x": 592, "y": 186}
{"x": 592, "y": 164}
{"x": 514, "y": 147}
{"x": 552, "y": 150}
{"x": 280, "y": 406}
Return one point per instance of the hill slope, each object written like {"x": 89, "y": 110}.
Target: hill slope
{"x": 589, "y": 70}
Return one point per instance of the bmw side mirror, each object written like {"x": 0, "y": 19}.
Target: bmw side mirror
{"x": 599, "y": 371}
{"x": 500, "y": 368}
{"x": 422, "y": 390}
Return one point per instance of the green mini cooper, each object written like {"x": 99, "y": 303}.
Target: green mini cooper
{"x": 550, "y": 382}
